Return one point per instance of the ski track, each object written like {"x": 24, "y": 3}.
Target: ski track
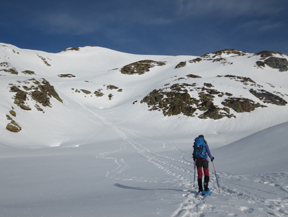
{"x": 245, "y": 195}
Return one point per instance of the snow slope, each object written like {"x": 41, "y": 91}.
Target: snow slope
{"x": 92, "y": 156}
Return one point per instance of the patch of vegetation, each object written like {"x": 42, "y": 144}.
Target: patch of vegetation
{"x": 180, "y": 65}
{"x": 66, "y": 75}
{"x": 28, "y": 72}
{"x": 268, "y": 97}
{"x": 140, "y": 67}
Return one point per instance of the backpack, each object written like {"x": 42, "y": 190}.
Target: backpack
{"x": 200, "y": 148}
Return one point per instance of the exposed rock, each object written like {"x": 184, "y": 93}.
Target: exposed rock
{"x": 193, "y": 76}
{"x": 85, "y": 91}
{"x": 44, "y": 60}
{"x": 28, "y": 72}
{"x": 277, "y": 63}
{"x": 265, "y": 54}
{"x": 180, "y": 65}
{"x": 229, "y": 52}
{"x": 244, "y": 80}
{"x": 98, "y": 93}
{"x": 48, "y": 90}
{"x": 268, "y": 97}
{"x": 13, "y": 127}
{"x": 12, "y": 71}
{"x": 5, "y": 64}
{"x": 13, "y": 113}
{"x": 40, "y": 93}
{"x": 241, "y": 104}
{"x": 72, "y": 48}
{"x": 176, "y": 100}
{"x": 140, "y": 67}
{"x": 110, "y": 96}
{"x": 112, "y": 87}
{"x": 196, "y": 60}
{"x": 66, "y": 76}
{"x": 260, "y": 64}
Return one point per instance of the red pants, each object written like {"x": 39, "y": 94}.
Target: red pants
{"x": 200, "y": 174}
{"x": 203, "y": 163}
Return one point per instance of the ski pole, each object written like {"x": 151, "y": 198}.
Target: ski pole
{"x": 194, "y": 173}
{"x": 216, "y": 177}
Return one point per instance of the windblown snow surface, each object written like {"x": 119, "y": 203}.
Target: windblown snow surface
{"x": 92, "y": 156}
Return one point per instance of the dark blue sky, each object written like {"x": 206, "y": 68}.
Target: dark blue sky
{"x": 161, "y": 27}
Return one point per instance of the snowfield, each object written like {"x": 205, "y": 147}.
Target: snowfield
{"x": 91, "y": 156}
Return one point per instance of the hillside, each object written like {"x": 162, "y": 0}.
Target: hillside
{"x": 45, "y": 97}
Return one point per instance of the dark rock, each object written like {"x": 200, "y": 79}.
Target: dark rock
{"x": 140, "y": 67}
{"x": 241, "y": 104}
{"x": 268, "y": 97}
{"x": 66, "y": 76}
{"x": 180, "y": 65}
{"x": 277, "y": 63}
{"x": 260, "y": 64}
{"x": 266, "y": 53}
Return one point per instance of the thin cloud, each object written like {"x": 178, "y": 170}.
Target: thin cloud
{"x": 62, "y": 23}
{"x": 262, "y": 25}
{"x": 230, "y": 8}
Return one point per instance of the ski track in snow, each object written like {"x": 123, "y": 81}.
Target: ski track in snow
{"x": 245, "y": 195}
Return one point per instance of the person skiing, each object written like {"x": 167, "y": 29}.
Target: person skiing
{"x": 201, "y": 149}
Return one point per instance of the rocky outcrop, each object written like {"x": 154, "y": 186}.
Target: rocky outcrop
{"x": 40, "y": 91}
{"x": 268, "y": 97}
{"x": 272, "y": 59}
{"x": 140, "y": 67}
{"x": 175, "y": 100}
{"x": 180, "y": 65}
{"x": 277, "y": 63}
{"x": 241, "y": 104}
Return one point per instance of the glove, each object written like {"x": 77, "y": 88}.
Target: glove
{"x": 212, "y": 159}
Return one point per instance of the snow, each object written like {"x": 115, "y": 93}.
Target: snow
{"x": 92, "y": 156}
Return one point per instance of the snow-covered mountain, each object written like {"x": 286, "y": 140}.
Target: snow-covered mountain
{"x": 55, "y": 99}
{"x": 95, "y": 132}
